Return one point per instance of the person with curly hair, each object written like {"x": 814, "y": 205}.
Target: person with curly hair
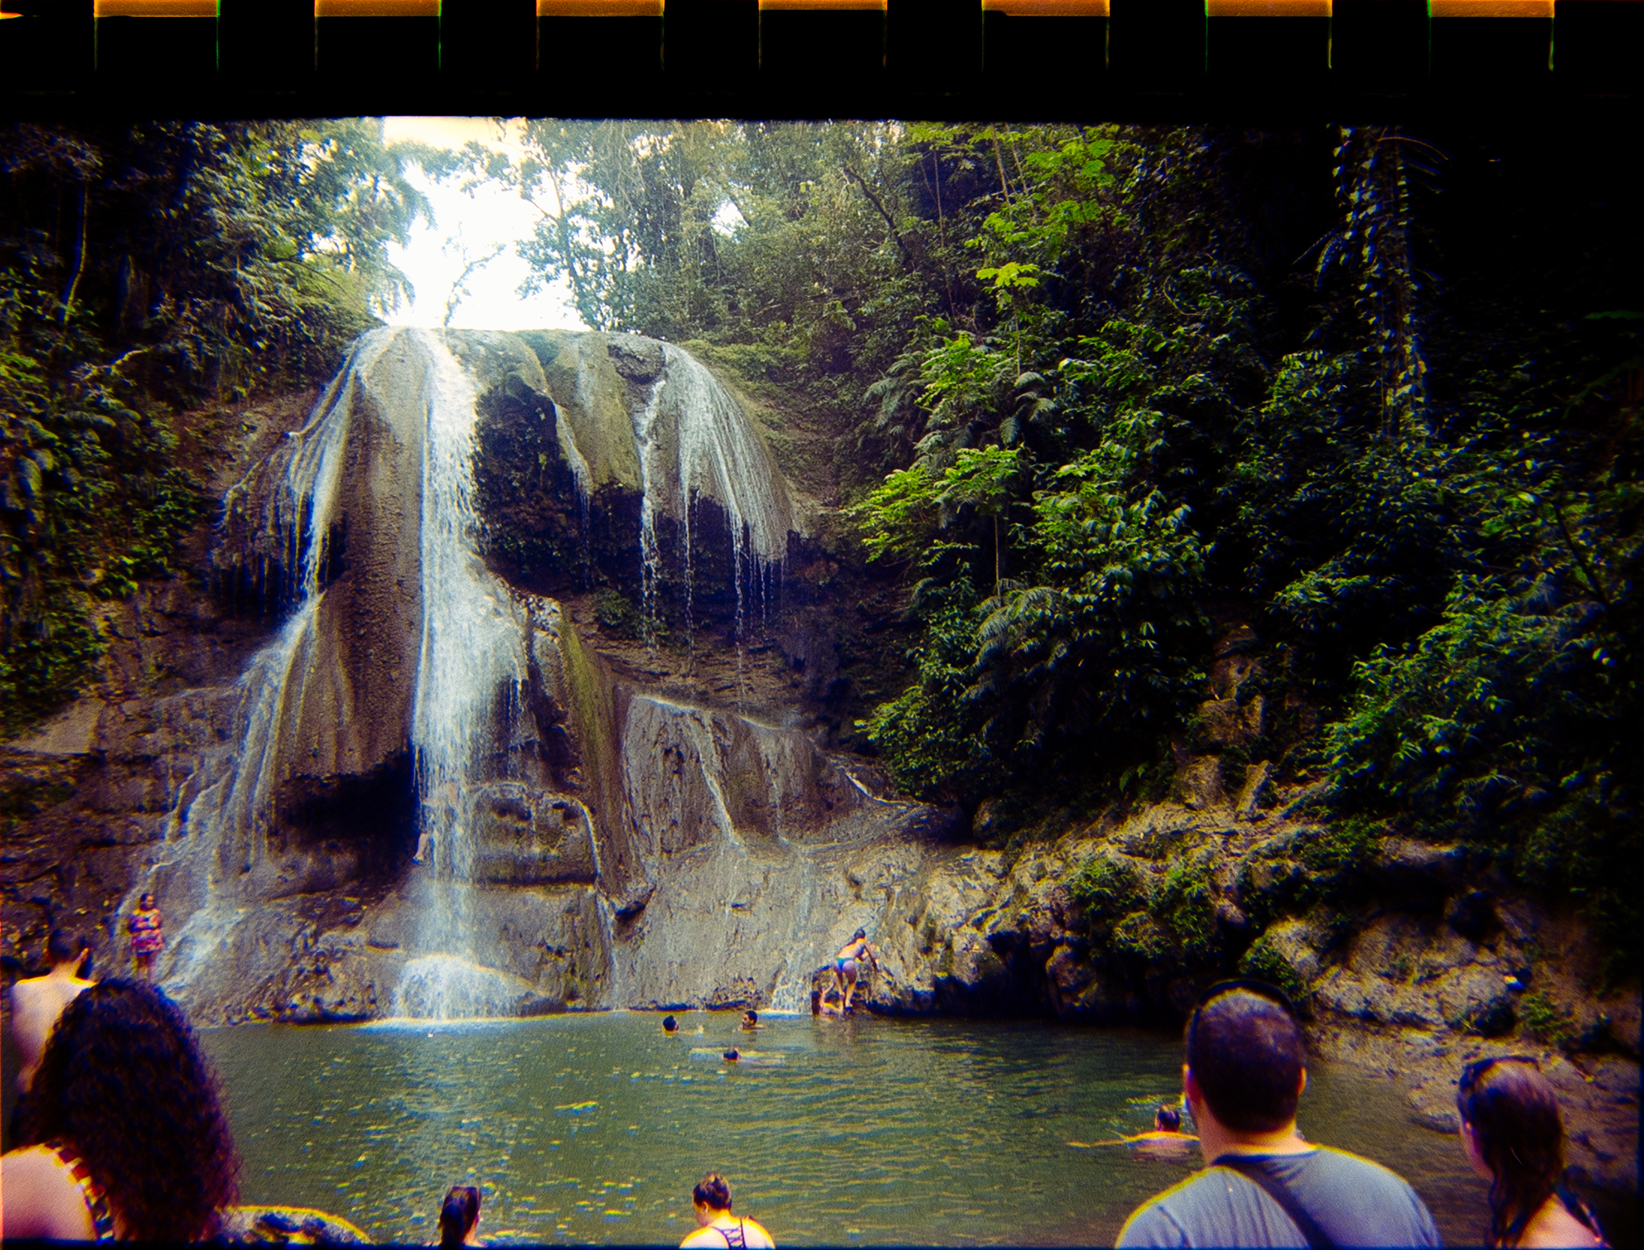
{"x": 122, "y": 1133}
{"x": 1513, "y": 1134}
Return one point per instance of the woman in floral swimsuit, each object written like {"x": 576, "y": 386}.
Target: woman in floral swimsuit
{"x": 147, "y": 936}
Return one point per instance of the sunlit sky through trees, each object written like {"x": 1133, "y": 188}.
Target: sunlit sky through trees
{"x": 469, "y": 228}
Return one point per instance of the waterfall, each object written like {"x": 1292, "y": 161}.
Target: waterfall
{"x": 218, "y": 831}
{"x": 417, "y": 646}
{"x": 650, "y": 558}
{"x": 470, "y": 638}
{"x": 469, "y": 659}
{"x": 718, "y": 456}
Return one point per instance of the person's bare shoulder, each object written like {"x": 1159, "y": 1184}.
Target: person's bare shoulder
{"x": 1553, "y": 1227}
{"x": 759, "y": 1236}
{"x": 35, "y": 1006}
{"x": 34, "y": 1010}
{"x": 39, "y": 1199}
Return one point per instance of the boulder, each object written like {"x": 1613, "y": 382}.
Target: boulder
{"x": 1256, "y": 792}
{"x": 1199, "y": 782}
{"x": 523, "y": 837}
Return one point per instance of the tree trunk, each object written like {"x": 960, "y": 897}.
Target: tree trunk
{"x": 80, "y": 264}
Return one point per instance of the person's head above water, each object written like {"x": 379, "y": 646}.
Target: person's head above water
{"x": 732, "y": 1055}
{"x": 1246, "y": 1056}
{"x": 459, "y": 1215}
{"x": 123, "y": 1084}
{"x": 669, "y": 1024}
{"x": 1168, "y": 1119}
{"x": 1510, "y": 1124}
{"x": 712, "y": 1193}
{"x": 750, "y": 1017}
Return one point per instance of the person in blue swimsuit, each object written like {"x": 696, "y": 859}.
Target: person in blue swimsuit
{"x": 847, "y": 966}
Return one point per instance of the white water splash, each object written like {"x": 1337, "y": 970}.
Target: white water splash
{"x": 445, "y": 987}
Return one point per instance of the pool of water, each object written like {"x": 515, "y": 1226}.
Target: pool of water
{"x": 593, "y": 1128}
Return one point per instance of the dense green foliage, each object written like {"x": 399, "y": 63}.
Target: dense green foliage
{"x": 1102, "y": 390}
{"x": 146, "y": 271}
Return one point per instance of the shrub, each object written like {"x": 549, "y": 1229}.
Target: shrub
{"x": 1546, "y": 1020}
{"x": 1107, "y": 888}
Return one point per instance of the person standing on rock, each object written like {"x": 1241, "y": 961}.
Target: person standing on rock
{"x": 148, "y": 938}
{"x": 1513, "y": 1134}
{"x": 847, "y": 966}
{"x": 37, "y": 1002}
{"x": 1263, "y": 1184}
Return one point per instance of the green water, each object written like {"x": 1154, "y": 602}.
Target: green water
{"x": 593, "y": 1128}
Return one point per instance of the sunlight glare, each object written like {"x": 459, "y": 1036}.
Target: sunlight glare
{"x": 470, "y": 228}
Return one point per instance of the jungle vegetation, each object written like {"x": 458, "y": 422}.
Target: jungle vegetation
{"x": 1103, "y": 390}
{"x": 147, "y": 274}
{"x": 1098, "y": 393}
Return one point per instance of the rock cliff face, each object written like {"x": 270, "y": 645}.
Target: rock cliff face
{"x": 548, "y": 599}
{"x": 602, "y": 832}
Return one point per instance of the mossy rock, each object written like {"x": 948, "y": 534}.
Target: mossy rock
{"x": 1185, "y": 903}
{"x": 1270, "y": 887}
{"x": 1139, "y": 936}
{"x": 1267, "y": 960}
{"x": 1107, "y": 887}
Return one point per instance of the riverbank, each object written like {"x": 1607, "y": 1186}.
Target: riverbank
{"x": 1423, "y": 963}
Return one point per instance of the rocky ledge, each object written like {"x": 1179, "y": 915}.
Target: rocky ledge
{"x": 1424, "y": 963}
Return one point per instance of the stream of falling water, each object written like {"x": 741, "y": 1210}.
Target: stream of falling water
{"x": 717, "y": 456}
{"x": 650, "y": 559}
{"x": 469, "y": 664}
{"x": 218, "y": 833}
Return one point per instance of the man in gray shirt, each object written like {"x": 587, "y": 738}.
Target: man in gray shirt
{"x": 1263, "y": 1185}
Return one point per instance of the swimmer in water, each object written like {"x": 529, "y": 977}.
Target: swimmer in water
{"x": 750, "y": 1021}
{"x": 1166, "y": 1138}
{"x": 732, "y": 1055}
{"x": 847, "y": 966}
{"x": 670, "y": 1026}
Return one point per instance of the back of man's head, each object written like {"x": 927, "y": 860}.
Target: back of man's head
{"x": 1247, "y": 1056}
{"x": 65, "y": 946}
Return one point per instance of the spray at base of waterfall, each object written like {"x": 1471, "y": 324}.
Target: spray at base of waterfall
{"x": 446, "y": 987}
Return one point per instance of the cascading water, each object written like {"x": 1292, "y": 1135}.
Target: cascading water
{"x": 219, "y": 832}
{"x": 650, "y": 558}
{"x": 717, "y": 456}
{"x": 469, "y": 662}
